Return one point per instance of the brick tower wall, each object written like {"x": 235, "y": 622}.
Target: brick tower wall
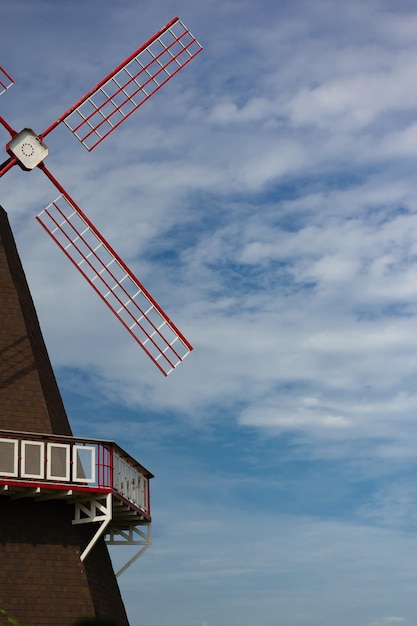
{"x": 42, "y": 580}
{"x": 29, "y": 396}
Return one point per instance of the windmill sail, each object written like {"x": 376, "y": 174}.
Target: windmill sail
{"x": 115, "y": 283}
{"x": 131, "y": 84}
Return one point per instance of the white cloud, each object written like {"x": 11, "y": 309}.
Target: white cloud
{"x": 256, "y": 110}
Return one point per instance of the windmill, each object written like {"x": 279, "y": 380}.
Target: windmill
{"x": 91, "y": 120}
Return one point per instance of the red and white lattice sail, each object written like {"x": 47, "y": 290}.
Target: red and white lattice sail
{"x": 129, "y": 85}
{"x": 114, "y": 282}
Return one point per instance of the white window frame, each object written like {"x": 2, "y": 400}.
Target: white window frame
{"x": 15, "y": 471}
{"x": 41, "y": 446}
{"x": 49, "y": 474}
{"x": 92, "y": 473}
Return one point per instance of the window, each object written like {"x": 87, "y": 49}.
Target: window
{"x": 8, "y": 457}
{"x": 33, "y": 461}
{"x": 58, "y": 462}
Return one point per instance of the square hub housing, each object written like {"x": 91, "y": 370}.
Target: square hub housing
{"x": 28, "y": 149}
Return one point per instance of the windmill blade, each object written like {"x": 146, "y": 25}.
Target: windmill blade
{"x": 6, "y": 80}
{"x": 133, "y": 82}
{"x": 115, "y": 283}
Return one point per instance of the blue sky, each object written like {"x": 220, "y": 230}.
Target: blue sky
{"x": 266, "y": 197}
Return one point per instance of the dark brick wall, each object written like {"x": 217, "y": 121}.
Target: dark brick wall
{"x": 29, "y": 396}
{"x": 42, "y": 580}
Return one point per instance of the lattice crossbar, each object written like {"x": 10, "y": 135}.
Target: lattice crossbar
{"x": 115, "y": 284}
{"x": 132, "y": 84}
{"x": 6, "y": 80}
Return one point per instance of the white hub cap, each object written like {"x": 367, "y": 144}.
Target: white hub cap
{"x": 28, "y": 149}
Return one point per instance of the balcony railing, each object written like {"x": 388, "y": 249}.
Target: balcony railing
{"x": 53, "y": 461}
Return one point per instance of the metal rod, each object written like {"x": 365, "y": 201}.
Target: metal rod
{"x": 7, "y": 165}
{"x": 7, "y": 126}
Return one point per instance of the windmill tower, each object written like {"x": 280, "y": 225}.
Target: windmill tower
{"x": 64, "y": 497}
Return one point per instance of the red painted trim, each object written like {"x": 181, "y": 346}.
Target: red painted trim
{"x": 55, "y": 486}
{"x": 7, "y": 74}
{"x": 111, "y": 454}
{"x": 7, "y": 165}
{"x": 7, "y": 126}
